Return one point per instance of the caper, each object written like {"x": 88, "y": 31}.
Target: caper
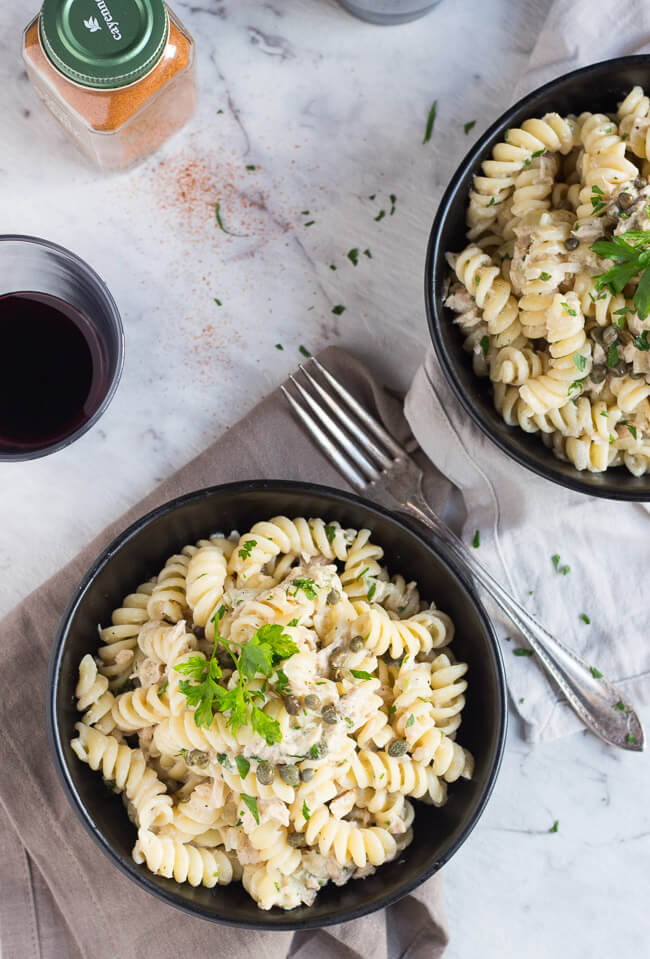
{"x": 337, "y": 659}
{"x": 307, "y": 774}
{"x": 319, "y": 750}
{"x": 398, "y": 747}
{"x": 290, "y": 774}
{"x": 329, "y": 715}
{"x": 640, "y": 182}
{"x": 312, "y": 701}
{"x": 625, "y": 200}
{"x": 333, "y": 597}
{"x": 224, "y": 659}
{"x": 572, "y": 243}
{"x": 598, "y": 373}
{"x": 596, "y": 334}
{"x": 619, "y": 370}
{"x": 296, "y": 839}
{"x": 197, "y": 757}
{"x": 356, "y": 643}
{"x": 610, "y": 335}
{"x": 292, "y": 705}
{"x": 265, "y": 773}
{"x": 198, "y": 631}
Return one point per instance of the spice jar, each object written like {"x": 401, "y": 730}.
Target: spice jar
{"x": 118, "y": 75}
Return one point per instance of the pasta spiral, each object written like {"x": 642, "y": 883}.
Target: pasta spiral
{"x": 139, "y": 707}
{"x": 127, "y": 768}
{"x": 182, "y": 862}
{"x": 93, "y": 695}
{"x": 492, "y": 293}
{"x": 378, "y": 770}
{"x": 347, "y": 842}
{"x": 206, "y": 574}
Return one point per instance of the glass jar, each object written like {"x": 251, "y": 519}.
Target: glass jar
{"x": 118, "y": 75}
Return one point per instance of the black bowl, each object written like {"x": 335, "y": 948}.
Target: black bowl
{"x": 139, "y": 552}
{"x": 597, "y": 88}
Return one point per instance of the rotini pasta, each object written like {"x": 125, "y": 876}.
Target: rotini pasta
{"x": 281, "y": 695}
{"x": 562, "y": 341}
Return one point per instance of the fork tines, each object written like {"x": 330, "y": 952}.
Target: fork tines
{"x": 350, "y": 434}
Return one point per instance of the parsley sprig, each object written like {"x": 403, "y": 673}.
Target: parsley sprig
{"x": 630, "y": 253}
{"x": 263, "y": 653}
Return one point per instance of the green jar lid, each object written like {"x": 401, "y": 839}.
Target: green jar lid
{"x": 104, "y": 43}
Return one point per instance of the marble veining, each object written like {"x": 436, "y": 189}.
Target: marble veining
{"x": 304, "y": 115}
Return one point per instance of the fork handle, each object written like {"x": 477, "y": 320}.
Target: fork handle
{"x": 592, "y": 698}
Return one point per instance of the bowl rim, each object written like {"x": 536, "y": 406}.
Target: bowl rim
{"x": 434, "y": 253}
{"x": 55, "y": 737}
{"x": 79, "y": 265}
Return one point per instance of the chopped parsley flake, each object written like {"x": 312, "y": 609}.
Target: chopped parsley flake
{"x": 579, "y": 361}
{"x": 520, "y": 651}
{"x": 410, "y": 721}
{"x": 217, "y": 214}
{"x": 308, "y": 586}
{"x": 544, "y": 276}
{"x": 305, "y": 810}
{"x": 303, "y": 349}
{"x": 555, "y": 826}
{"x": 431, "y": 119}
{"x": 380, "y": 216}
{"x": 629, "y": 738}
{"x": 247, "y": 548}
{"x": 596, "y": 673}
{"x": 360, "y": 674}
{"x": 242, "y": 765}
{"x": 251, "y": 802}
{"x": 476, "y": 542}
{"x": 485, "y": 345}
{"x": 338, "y": 309}
{"x": 469, "y": 126}
{"x": 585, "y": 619}
{"x": 353, "y": 255}
{"x": 279, "y": 346}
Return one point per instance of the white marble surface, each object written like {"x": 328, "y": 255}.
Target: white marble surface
{"x": 330, "y": 111}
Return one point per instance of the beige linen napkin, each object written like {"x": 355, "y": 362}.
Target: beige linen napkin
{"x": 60, "y": 897}
{"x": 524, "y": 520}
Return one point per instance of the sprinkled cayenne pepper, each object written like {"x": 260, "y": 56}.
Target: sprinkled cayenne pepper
{"x": 118, "y": 75}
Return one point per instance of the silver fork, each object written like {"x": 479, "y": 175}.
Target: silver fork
{"x": 376, "y": 465}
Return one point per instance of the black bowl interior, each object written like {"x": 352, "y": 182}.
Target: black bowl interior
{"x": 140, "y": 552}
{"x": 597, "y": 88}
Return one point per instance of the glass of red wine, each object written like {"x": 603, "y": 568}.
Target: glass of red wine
{"x": 63, "y": 347}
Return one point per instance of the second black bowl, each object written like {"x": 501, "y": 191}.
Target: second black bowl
{"x": 597, "y": 88}
{"x": 140, "y": 552}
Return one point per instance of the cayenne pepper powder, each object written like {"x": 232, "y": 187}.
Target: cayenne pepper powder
{"x": 118, "y": 75}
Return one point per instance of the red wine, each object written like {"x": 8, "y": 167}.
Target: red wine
{"x": 48, "y": 385}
